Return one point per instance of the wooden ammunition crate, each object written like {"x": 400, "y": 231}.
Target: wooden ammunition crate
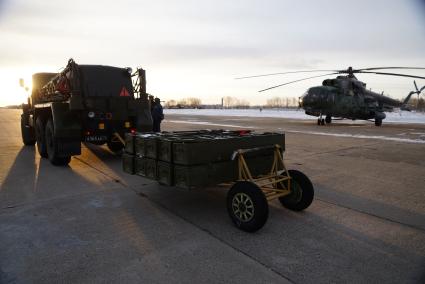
{"x": 190, "y": 177}
{"x": 151, "y": 147}
{"x": 145, "y": 167}
{"x": 128, "y": 163}
{"x": 194, "y": 152}
{"x": 145, "y": 145}
{"x": 165, "y": 148}
{"x": 130, "y": 143}
{"x": 196, "y": 176}
{"x": 165, "y": 173}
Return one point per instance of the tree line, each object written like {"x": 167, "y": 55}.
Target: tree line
{"x": 417, "y": 104}
{"x": 233, "y": 102}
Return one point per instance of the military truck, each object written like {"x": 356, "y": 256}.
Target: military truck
{"x": 84, "y": 103}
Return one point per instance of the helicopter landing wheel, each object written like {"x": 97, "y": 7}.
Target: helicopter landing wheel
{"x": 320, "y": 121}
{"x": 378, "y": 122}
{"x": 328, "y": 119}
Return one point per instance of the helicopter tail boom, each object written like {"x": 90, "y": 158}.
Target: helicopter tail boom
{"x": 404, "y": 106}
{"x": 406, "y": 100}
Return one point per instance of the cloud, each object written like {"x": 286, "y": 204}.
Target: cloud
{"x": 209, "y": 41}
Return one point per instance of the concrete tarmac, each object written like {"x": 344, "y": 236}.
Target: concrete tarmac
{"x": 90, "y": 222}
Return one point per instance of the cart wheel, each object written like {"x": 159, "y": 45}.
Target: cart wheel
{"x": 302, "y": 192}
{"x": 247, "y": 206}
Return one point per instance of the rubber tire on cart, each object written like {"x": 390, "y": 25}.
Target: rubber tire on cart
{"x": 28, "y": 136}
{"x": 302, "y": 192}
{"x": 52, "y": 145}
{"x": 115, "y": 147}
{"x": 40, "y": 137}
{"x": 247, "y": 206}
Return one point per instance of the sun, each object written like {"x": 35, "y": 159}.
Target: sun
{"x": 11, "y": 92}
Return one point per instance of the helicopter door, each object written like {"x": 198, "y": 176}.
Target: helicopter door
{"x": 347, "y": 105}
{"x": 330, "y": 101}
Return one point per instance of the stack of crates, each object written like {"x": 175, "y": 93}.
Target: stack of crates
{"x": 191, "y": 159}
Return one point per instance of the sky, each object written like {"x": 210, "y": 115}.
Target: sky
{"x": 195, "y": 48}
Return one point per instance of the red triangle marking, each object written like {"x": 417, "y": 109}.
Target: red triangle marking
{"x": 124, "y": 92}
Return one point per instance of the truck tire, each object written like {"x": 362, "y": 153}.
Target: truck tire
{"x": 40, "y": 137}
{"x": 302, "y": 192}
{"x": 52, "y": 146}
{"x": 115, "y": 147}
{"x": 28, "y": 136}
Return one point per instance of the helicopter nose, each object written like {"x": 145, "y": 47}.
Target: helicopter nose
{"x": 304, "y": 99}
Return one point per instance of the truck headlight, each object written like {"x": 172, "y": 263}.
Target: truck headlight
{"x": 91, "y": 114}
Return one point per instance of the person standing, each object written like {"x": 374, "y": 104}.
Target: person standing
{"x": 157, "y": 115}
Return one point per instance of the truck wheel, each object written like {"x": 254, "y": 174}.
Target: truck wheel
{"x": 247, "y": 206}
{"x": 115, "y": 147}
{"x": 302, "y": 192}
{"x": 28, "y": 136}
{"x": 52, "y": 147}
{"x": 40, "y": 137}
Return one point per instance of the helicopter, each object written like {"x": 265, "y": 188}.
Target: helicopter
{"x": 346, "y": 97}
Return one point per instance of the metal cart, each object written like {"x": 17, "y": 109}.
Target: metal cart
{"x": 248, "y": 197}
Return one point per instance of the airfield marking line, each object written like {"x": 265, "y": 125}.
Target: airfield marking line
{"x": 360, "y": 136}
{"x": 209, "y": 123}
{"x": 337, "y": 150}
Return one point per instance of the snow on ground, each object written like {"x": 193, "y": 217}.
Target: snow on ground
{"x": 392, "y": 117}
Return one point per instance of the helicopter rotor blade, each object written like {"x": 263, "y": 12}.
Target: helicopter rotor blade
{"x": 296, "y": 81}
{"x": 327, "y": 70}
{"x": 391, "y": 74}
{"x": 381, "y": 68}
{"x": 282, "y": 73}
{"x": 416, "y": 86}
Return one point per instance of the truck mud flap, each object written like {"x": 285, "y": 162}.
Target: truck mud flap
{"x": 67, "y": 129}
{"x": 66, "y": 122}
{"x": 67, "y": 147}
